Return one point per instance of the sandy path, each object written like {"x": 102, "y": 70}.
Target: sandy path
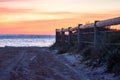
{"x": 47, "y": 66}
{"x": 5, "y": 73}
{"x": 39, "y": 64}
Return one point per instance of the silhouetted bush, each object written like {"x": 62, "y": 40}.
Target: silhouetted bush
{"x": 113, "y": 61}
{"x": 87, "y": 53}
{"x": 114, "y": 37}
{"x": 52, "y": 47}
{"x": 64, "y": 48}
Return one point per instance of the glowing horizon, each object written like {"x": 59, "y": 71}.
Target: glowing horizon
{"x": 44, "y": 16}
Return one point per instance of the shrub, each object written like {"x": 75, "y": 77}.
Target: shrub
{"x": 64, "y": 48}
{"x": 113, "y": 61}
{"x": 53, "y": 46}
{"x": 87, "y": 53}
{"x": 114, "y": 37}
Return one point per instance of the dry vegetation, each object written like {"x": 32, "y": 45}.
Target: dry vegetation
{"x": 109, "y": 55}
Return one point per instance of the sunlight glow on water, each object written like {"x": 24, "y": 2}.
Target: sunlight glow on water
{"x": 26, "y": 41}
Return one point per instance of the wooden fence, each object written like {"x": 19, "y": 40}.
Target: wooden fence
{"x": 95, "y": 29}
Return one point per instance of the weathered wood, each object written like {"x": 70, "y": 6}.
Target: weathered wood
{"x": 62, "y": 36}
{"x": 72, "y": 29}
{"x": 96, "y": 38}
{"x": 70, "y": 37}
{"x": 57, "y": 35}
{"x": 103, "y": 23}
{"x": 79, "y": 37}
{"x": 97, "y": 41}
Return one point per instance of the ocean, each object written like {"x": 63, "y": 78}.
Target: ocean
{"x": 26, "y": 40}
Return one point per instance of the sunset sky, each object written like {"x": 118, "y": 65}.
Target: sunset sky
{"x": 44, "y": 16}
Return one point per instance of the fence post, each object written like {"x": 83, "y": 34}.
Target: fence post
{"x": 79, "y": 37}
{"x": 57, "y": 36}
{"x": 63, "y": 35}
{"x": 70, "y": 37}
{"x": 96, "y": 39}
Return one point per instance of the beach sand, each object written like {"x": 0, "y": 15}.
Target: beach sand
{"x": 34, "y": 63}
{"x": 40, "y": 63}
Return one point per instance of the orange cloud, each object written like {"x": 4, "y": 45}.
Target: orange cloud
{"x": 9, "y": 10}
{"x": 14, "y": 15}
{"x": 36, "y": 27}
{"x": 28, "y": 21}
{"x": 12, "y": 0}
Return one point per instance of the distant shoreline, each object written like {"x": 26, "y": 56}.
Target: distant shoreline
{"x": 23, "y": 47}
{"x": 26, "y": 40}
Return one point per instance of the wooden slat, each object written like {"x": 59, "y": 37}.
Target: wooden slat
{"x": 103, "y": 23}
